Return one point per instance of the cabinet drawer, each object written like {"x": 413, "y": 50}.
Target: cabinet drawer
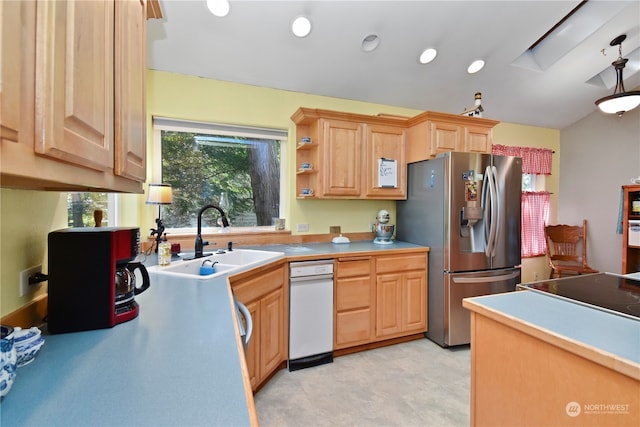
{"x": 347, "y": 267}
{"x": 353, "y": 293}
{"x": 353, "y": 328}
{"x": 392, "y": 264}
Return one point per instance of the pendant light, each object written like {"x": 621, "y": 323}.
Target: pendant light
{"x": 621, "y": 101}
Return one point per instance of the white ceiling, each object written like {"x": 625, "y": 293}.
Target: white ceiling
{"x": 253, "y": 44}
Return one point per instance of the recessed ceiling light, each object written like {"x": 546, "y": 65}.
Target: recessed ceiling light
{"x": 370, "y": 42}
{"x": 301, "y": 26}
{"x": 427, "y": 55}
{"x": 475, "y": 66}
{"x": 218, "y": 7}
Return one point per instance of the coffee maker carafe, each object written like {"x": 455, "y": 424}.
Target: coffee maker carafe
{"x": 125, "y": 285}
{"x": 93, "y": 278}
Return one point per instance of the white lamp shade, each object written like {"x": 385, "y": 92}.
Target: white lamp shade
{"x": 160, "y": 194}
{"x": 620, "y": 102}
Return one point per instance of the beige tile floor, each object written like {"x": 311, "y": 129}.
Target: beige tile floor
{"x": 411, "y": 384}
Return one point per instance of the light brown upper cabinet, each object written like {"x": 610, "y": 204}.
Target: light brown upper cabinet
{"x": 78, "y": 77}
{"x": 341, "y": 160}
{"x": 431, "y": 133}
{"x": 342, "y": 157}
{"x": 385, "y": 142}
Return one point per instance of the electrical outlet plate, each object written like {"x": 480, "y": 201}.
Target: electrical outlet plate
{"x": 303, "y": 228}
{"x": 25, "y": 287}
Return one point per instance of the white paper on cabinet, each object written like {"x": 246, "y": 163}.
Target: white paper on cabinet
{"x": 387, "y": 173}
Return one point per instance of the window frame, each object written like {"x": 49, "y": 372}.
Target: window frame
{"x": 160, "y": 123}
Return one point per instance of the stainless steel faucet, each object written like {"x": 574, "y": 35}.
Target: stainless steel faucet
{"x": 199, "y": 243}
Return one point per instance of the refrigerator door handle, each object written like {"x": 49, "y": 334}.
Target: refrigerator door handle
{"x": 490, "y": 208}
{"x": 495, "y": 210}
{"x": 486, "y": 209}
{"x": 485, "y": 279}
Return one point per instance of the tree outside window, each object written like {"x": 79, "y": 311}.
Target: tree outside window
{"x": 238, "y": 173}
{"x": 80, "y": 208}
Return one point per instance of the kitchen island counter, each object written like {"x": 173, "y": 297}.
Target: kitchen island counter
{"x": 177, "y": 363}
{"x": 540, "y": 360}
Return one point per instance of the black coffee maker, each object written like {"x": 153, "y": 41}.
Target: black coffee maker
{"x": 92, "y": 278}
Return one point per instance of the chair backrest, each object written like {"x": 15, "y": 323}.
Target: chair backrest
{"x": 567, "y": 243}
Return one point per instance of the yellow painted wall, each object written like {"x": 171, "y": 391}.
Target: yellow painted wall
{"x": 26, "y": 217}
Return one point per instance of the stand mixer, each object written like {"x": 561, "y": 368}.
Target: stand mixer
{"x": 384, "y": 231}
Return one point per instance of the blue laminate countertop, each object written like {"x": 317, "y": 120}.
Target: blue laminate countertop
{"x": 177, "y": 363}
{"x": 304, "y": 250}
{"x": 597, "y": 332}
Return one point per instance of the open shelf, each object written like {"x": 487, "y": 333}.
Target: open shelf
{"x": 630, "y": 249}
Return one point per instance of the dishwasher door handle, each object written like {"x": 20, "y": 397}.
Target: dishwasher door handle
{"x": 244, "y": 311}
{"x": 311, "y": 278}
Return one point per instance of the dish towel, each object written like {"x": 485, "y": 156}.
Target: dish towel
{"x": 620, "y": 212}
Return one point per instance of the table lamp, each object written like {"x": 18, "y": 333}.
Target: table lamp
{"x": 159, "y": 194}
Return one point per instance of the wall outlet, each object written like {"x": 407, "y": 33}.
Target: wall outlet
{"x": 25, "y": 287}
{"x": 303, "y": 228}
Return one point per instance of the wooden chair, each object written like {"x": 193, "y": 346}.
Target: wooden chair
{"x": 567, "y": 250}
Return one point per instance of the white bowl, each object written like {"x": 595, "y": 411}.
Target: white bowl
{"x": 27, "y": 353}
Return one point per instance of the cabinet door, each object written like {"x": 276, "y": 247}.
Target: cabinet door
{"x": 17, "y": 50}
{"x": 343, "y": 157}
{"x": 74, "y": 83}
{"x": 272, "y": 339}
{"x": 388, "y": 305}
{"x": 385, "y": 142}
{"x": 130, "y": 71}
{"x": 477, "y": 139}
{"x": 414, "y": 305}
{"x": 445, "y": 137}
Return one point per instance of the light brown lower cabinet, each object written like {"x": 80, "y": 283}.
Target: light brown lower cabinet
{"x": 401, "y": 295}
{"x": 379, "y": 297}
{"x": 369, "y": 291}
{"x": 266, "y": 295}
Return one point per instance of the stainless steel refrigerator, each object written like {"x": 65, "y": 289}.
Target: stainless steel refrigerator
{"x": 466, "y": 207}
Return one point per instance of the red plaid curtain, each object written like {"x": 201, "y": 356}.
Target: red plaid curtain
{"x": 535, "y": 216}
{"x": 534, "y": 160}
{"x": 535, "y": 204}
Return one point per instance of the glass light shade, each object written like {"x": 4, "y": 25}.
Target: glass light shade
{"x": 619, "y": 103}
{"x": 160, "y": 194}
{"x": 219, "y": 8}
{"x": 475, "y": 66}
{"x": 427, "y": 55}
{"x": 301, "y": 26}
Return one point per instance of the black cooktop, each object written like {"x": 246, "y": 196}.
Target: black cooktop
{"x": 608, "y": 291}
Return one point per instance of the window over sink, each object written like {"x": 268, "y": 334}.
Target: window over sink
{"x": 238, "y": 168}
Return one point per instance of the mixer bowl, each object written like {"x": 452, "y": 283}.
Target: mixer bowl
{"x": 384, "y": 233}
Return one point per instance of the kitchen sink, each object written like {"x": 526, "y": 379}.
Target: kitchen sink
{"x": 226, "y": 262}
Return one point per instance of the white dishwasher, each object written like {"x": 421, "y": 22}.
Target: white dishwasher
{"x": 310, "y": 313}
